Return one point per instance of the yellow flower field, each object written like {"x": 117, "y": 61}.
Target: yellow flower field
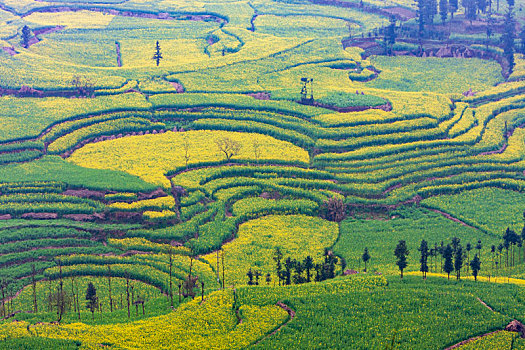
{"x": 195, "y": 325}
{"x": 296, "y": 235}
{"x": 150, "y": 157}
{"x": 78, "y": 19}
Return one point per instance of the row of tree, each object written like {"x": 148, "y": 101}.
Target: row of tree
{"x": 453, "y": 257}
{"x": 295, "y": 271}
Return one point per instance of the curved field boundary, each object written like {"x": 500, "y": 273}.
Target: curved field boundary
{"x": 455, "y": 346}
{"x": 291, "y": 316}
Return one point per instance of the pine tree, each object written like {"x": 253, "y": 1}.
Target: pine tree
{"x": 278, "y": 257}
{"x": 401, "y": 252}
{"x": 250, "y": 277}
{"x": 458, "y": 261}
{"x": 423, "y": 248}
{"x": 390, "y": 36}
{"x": 443, "y": 10}
{"x": 92, "y": 299}
{"x": 478, "y": 247}
{"x": 508, "y": 38}
{"x": 475, "y": 264}
{"x": 468, "y": 248}
{"x": 365, "y": 257}
{"x": 448, "y": 266}
{"x": 257, "y": 275}
{"x": 268, "y": 278}
{"x": 470, "y": 9}
{"x": 158, "y": 54}
{"x": 452, "y": 7}
{"x": 308, "y": 266}
{"x": 288, "y": 265}
{"x": 26, "y": 36}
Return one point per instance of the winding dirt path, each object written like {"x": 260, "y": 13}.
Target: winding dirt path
{"x": 291, "y": 314}
{"x": 450, "y": 217}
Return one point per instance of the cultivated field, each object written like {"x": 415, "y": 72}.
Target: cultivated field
{"x": 238, "y": 174}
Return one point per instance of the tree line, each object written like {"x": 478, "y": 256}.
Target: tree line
{"x": 454, "y": 257}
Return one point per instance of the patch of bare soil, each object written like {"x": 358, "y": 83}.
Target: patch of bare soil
{"x": 261, "y": 95}
{"x": 84, "y": 193}
{"x": 401, "y": 12}
{"x": 10, "y": 50}
{"x": 178, "y": 87}
{"x": 40, "y": 216}
{"x": 84, "y": 217}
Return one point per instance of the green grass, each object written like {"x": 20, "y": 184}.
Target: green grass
{"x": 426, "y": 74}
{"x": 491, "y": 209}
{"x": 361, "y": 311}
{"x": 342, "y": 100}
{"x": 54, "y": 168}
{"x": 381, "y": 236}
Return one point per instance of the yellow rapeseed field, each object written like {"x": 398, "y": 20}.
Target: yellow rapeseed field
{"x": 296, "y": 235}
{"x": 195, "y": 325}
{"x": 150, "y": 157}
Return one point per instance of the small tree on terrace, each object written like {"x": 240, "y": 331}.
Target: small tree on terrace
{"x": 390, "y": 36}
{"x": 475, "y": 264}
{"x": 365, "y": 257}
{"x": 458, "y": 261}
{"x": 26, "y": 36}
{"x": 308, "y": 266}
{"x": 92, "y": 299}
{"x": 186, "y": 147}
{"x": 278, "y": 257}
{"x": 448, "y": 267}
{"x": 158, "y": 54}
{"x": 229, "y": 147}
{"x": 443, "y": 10}
{"x": 256, "y": 149}
{"x": 423, "y": 248}
{"x": 401, "y": 254}
{"x": 83, "y": 86}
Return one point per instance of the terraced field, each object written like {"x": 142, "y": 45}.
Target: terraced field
{"x": 173, "y": 187}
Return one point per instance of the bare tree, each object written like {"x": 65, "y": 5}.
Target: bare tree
{"x": 109, "y": 286}
{"x": 229, "y": 147}
{"x": 33, "y": 283}
{"x": 84, "y": 86}
{"x": 186, "y": 147}
{"x": 256, "y": 149}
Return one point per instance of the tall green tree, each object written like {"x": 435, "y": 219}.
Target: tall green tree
{"x": 390, "y": 36}
{"x": 92, "y": 299}
{"x": 508, "y": 38}
{"x": 249, "y": 274}
{"x": 26, "y": 36}
{"x": 448, "y": 266}
{"x": 288, "y": 265}
{"x": 443, "y": 10}
{"x": 401, "y": 252}
{"x": 365, "y": 257}
{"x": 470, "y": 9}
{"x": 452, "y": 7}
{"x": 458, "y": 261}
{"x": 468, "y": 248}
{"x": 308, "y": 266}
{"x": 475, "y": 264}
{"x": 423, "y": 248}
{"x": 158, "y": 54}
{"x": 278, "y": 257}
{"x": 478, "y": 247}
